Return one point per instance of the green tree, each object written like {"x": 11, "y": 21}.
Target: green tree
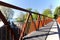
{"x": 23, "y": 16}
{"x": 35, "y": 15}
{"x": 55, "y": 16}
{"x": 26, "y": 14}
{"x": 29, "y": 9}
{"x": 47, "y": 12}
{"x": 20, "y": 17}
{"x": 57, "y": 12}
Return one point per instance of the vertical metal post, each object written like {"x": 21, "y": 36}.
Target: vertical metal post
{"x": 43, "y": 20}
{"x": 33, "y": 25}
{"x": 33, "y": 21}
{"x": 24, "y": 27}
{"x": 38, "y": 22}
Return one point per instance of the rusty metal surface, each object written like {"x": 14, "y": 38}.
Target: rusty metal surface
{"x": 26, "y": 22}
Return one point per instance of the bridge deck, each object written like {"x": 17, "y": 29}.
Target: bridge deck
{"x": 49, "y": 32}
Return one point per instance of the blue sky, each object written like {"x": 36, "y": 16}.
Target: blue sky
{"x": 39, "y": 5}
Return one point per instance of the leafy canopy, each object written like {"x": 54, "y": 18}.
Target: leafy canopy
{"x": 47, "y": 12}
{"x": 57, "y": 12}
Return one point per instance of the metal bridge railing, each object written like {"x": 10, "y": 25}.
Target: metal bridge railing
{"x": 34, "y": 25}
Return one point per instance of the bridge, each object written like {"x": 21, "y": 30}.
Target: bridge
{"x": 42, "y": 29}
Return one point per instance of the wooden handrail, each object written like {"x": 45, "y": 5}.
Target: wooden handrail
{"x": 21, "y": 9}
{"x": 18, "y": 8}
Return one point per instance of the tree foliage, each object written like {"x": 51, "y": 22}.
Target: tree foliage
{"x": 26, "y": 14}
{"x": 57, "y": 12}
{"x": 29, "y": 9}
{"x": 47, "y": 12}
{"x": 35, "y": 15}
{"x": 20, "y": 18}
{"x": 23, "y": 16}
